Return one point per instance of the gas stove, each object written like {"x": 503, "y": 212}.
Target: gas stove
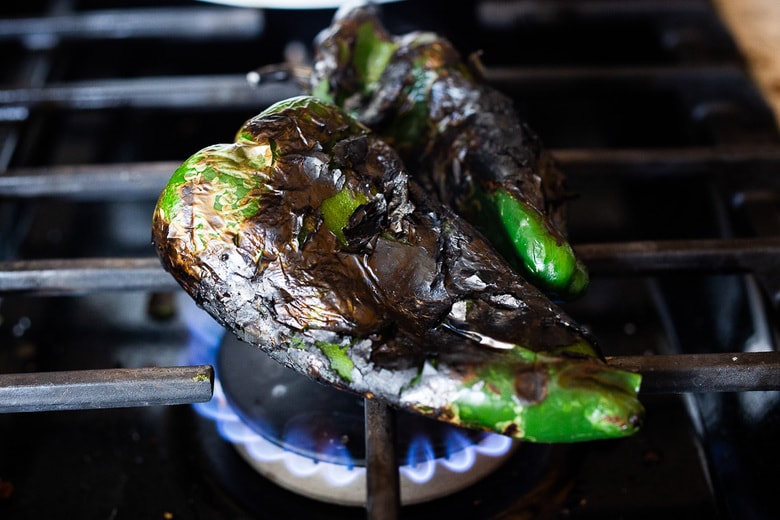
{"x": 121, "y": 399}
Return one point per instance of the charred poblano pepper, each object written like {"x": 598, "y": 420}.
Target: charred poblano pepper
{"x": 417, "y": 93}
{"x": 307, "y": 238}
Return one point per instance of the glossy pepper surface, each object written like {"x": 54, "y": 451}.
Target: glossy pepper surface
{"x": 307, "y": 238}
{"x": 465, "y": 136}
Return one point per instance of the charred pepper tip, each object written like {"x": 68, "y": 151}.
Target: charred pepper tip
{"x": 574, "y": 401}
{"x": 547, "y": 258}
{"x": 586, "y": 401}
{"x": 521, "y": 234}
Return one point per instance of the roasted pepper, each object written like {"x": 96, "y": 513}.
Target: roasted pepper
{"x": 417, "y": 93}
{"x": 307, "y": 238}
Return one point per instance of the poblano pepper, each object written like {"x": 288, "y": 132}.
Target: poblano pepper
{"x": 307, "y": 238}
{"x": 417, "y": 92}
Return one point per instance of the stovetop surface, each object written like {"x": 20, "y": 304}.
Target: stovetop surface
{"x": 590, "y": 77}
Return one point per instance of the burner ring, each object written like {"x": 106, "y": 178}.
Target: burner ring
{"x": 309, "y": 438}
{"x": 318, "y": 421}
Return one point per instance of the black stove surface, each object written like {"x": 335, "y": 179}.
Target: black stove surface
{"x": 594, "y": 78}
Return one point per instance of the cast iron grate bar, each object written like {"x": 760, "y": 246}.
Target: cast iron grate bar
{"x": 511, "y": 75}
{"x": 383, "y": 495}
{"x": 702, "y": 255}
{"x": 714, "y": 372}
{"x": 90, "y": 181}
{"x": 710, "y": 161}
{"x": 151, "y": 22}
{"x": 133, "y": 387}
{"x": 706, "y": 256}
{"x": 237, "y": 91}
{"x": 205, "y": 92}
{"x": 106, "y": 388}
{"x": 147, "y": 179}
{"x": 79, "y": 276}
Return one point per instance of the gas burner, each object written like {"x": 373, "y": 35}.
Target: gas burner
{"x": 346, "y": 485}
{"x": 310, "y": 438}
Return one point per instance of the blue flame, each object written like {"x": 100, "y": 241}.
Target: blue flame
{"x": 460, "y": 452}
{"x": 420, "y": 451}
{"x": 420, "y": 460}
{"x": 205, "y": 337}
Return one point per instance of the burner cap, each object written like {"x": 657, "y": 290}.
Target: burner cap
{"x": 318, "y": 421}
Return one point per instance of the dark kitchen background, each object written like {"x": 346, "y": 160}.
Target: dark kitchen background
{"x": 648, "y": 106}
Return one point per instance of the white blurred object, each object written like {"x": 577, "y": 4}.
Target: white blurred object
{"x": 289, "y": 4}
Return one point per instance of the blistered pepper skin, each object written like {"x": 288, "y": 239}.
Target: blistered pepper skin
{"x": 417, "y": 92}
{"x": 307, "y": 238}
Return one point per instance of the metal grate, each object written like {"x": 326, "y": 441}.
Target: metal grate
{"x": 736, "y": 156}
